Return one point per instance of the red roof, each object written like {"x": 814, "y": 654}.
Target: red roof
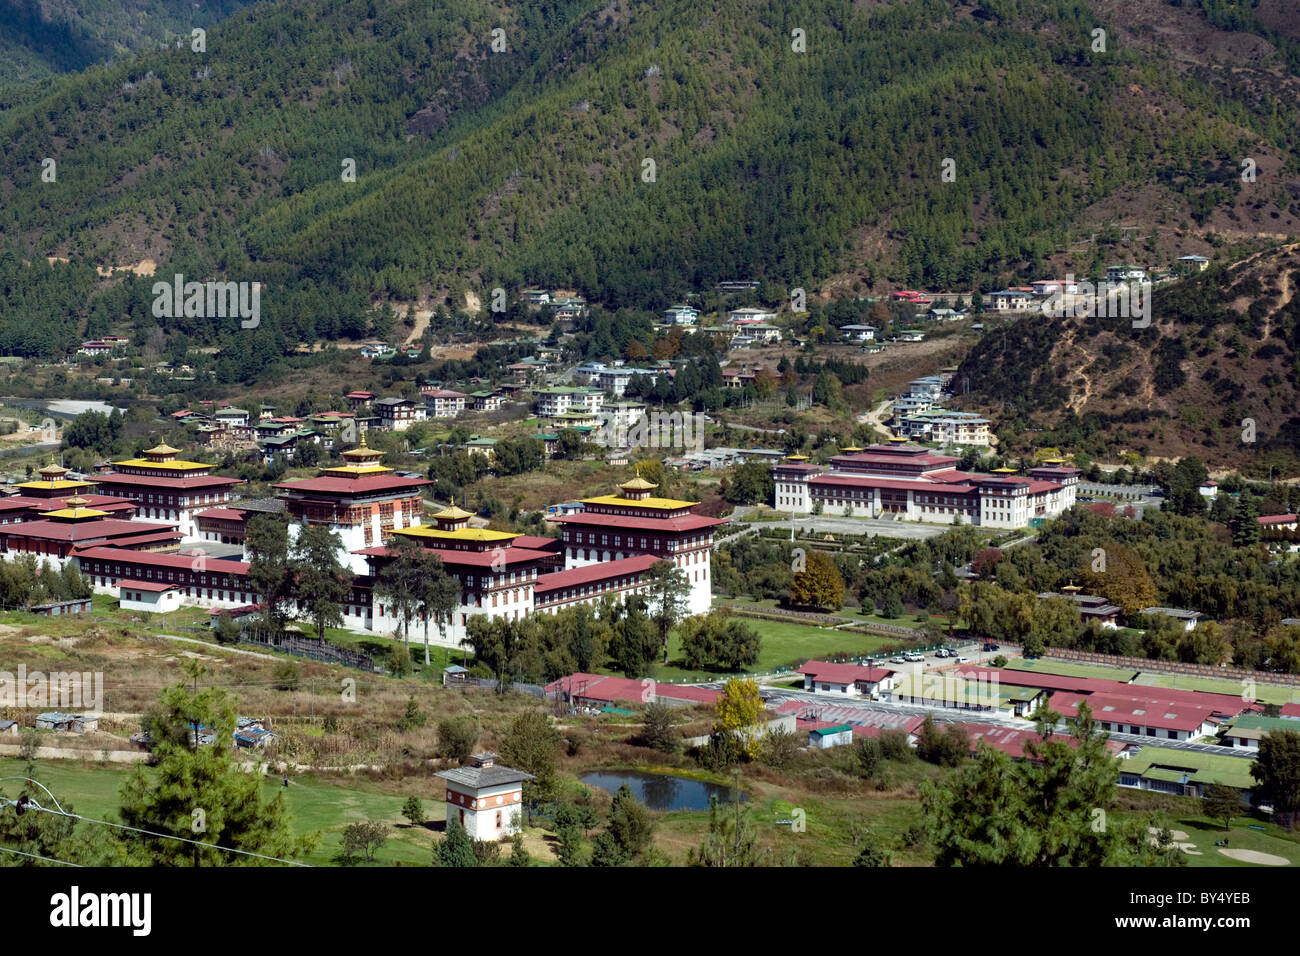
{"x": 592, "y": 573}
{"x": 1290, "y": 710}
{"x": 1276, "y": 519}
{"x": 149, "y": 481}
{"x": 843, "y": 673}
{"x": 1228, "y": 704}
{"x": 354, "y": 486}
{"x": 100, "y": 528}
{"x": 360, "y": 394}
{"x": 1137, "y": 710}
{"x": 146, "y": 585}
{"x": 537, "y": 542}
{"x": 154, "y": 560}
{"x": 681, "y": 523}
{"x": 230, "y": 514}
{"x": 1011, "y": 741}
{"x": 622, "y": 689}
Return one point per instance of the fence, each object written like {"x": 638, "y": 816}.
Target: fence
{"x": 313, "y": 648}
{"x": 1173, "y": 667}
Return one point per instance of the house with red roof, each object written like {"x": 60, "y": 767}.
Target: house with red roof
{"x": 601, "y": 690}
{"x": 846, "y": 680}
{"x": 1142, "y": 714}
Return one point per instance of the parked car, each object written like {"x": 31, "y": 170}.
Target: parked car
{"x": 990, "y": 646}
{"x": 963, "y": 660}
{"x": 943, "y": 652}
{"x": 914, "y": 658}
{"x": 898, "y": 660}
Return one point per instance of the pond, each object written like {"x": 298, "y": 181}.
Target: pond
{"x": 661, "y": 791}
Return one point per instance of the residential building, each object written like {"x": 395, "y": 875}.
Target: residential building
{"x": 398, "y": 414}
{"x": 858, "y": 333}
{"x": 443, "y": 403}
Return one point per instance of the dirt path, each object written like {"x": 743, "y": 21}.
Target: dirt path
{"x": 422, "y": 317}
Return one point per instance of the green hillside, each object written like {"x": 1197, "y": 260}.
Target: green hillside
{"x": 477, "y": 168}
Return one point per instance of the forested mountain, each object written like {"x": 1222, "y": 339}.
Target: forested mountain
{"x": 1216, "y": 375}
{"x": 40, "y": 39}
{"x": 799, "y": 143}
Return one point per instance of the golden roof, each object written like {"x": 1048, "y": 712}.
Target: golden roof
{"x": 638, "y": 484}
{"x": 664, "y": 504}
{"x": 52, "y": 471}
{"x": 796, "y": 457}
{"x": 74, "y": 508}
{"x": 462, "y": 534}
{"x": 452, "y": 513}
{"x": 163, "y": 449}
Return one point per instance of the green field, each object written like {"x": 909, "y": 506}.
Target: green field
{"x": 1268, "y": 693}
{"x": 1204, "y": 834}
{"x": 782, "y": 644}
{"x": 315, "y": 805}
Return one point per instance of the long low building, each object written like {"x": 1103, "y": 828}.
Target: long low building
{"x": 910, "y": 482}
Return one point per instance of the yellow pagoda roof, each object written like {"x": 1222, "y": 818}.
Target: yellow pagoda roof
{"x": 363, "y": 451}
{"x": 353, "y": 471}
{"x": 462, "y": 534}
{"x": 1004, "y": 471}
{"x": 796, "y": 457}
{"x": 163, "y": 449}
{"x": 638, "y": 484}
{"x": 176, "y": 465}
{"x": 61, "y": 484}
{"x": 452, "y": 513}
{"x": 664, "y": 504}
{"x": 74, "y": 509}
{"x": 852, "y": 448}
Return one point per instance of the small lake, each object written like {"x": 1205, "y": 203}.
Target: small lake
{"x": 661, "y": 791}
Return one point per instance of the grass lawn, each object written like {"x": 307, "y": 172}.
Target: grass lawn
{"x": 315, "y": 804}
{"x": 1069, "y": 669}
{"x": 782, "y": 644}
{"x": 1204, "y": 834}
{"x": 1268, "y": 693}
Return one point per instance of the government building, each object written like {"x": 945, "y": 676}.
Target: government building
{"x": 909, "y": 482}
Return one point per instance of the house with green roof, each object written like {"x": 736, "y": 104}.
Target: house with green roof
{"x": 1185, "y": 772}
{"x": 1245, "y": 732}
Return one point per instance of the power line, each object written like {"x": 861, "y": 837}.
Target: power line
{"x": 32, "y": 805}
{"x": 35, "y": 856}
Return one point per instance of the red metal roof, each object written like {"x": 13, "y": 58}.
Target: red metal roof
{"x": 154, "y": 560}
{"x": 354, "y": 486}
{"x": 1276, "y": 519}
{"x": 681, "y": 523}
{"x": 592, "y": 573}
{"x": 229, "y": 514}
{"x": 146, "y": 585}
{"x": 1290, "y": 710}
{"x": 622, "y": 689}
{"x": 537, "y": 542}
{"x": 843, "y": 673}
{"x": 100, "y": 528}
{"x": 1136, "y": 710}
{"x": 1011, "y": 741}
{"x": 149, "y": 481}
